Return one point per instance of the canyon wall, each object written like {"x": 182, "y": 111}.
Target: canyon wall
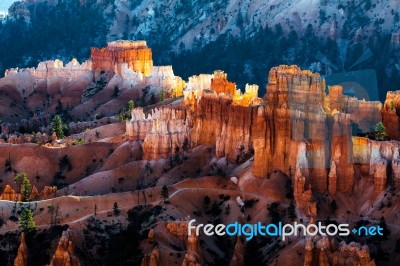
{"x": 294, "y": 111}
{"x": 135, "y": 54}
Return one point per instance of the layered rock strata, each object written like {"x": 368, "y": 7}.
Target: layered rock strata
{"x": 135, "y": 54}
{"x": 163, "y": 131}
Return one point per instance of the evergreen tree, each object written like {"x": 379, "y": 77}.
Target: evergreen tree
{"x": 380, "y": 131}
{"x": 164, "y": 193}
{"x": 131, "y": 106}
{"x": 162, "y": 95}
{"x": 57, "y": 126}
{"x": 116, "y": 209}
{"x": 292, "y": 211}
{"x": 333, "y": 206}
{"x": 26, "y": 222}
{"x": 22, "y": 181}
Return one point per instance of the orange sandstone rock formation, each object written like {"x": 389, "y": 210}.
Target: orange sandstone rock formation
{"x": 22, "y": 255}
{"x": 64, "y": 254}
{"x": 163, "y": 131}
{"x": 321, "y": 251}
{"x": 10, "y": 194}
{"x": 391, "y": 114}
{"x": 220, "y": 83}
{"x": 180, "y": 229}
{"x": 135, "y": 54}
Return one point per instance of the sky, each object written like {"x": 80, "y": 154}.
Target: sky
{"x": 5, "y": 4}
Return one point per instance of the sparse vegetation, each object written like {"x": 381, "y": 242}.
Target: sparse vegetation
{"x": 58, "y": 127}
{"x": 164, "y": 193}
{"x": 116, "y": 209}
{"x": 26, "y": 222}
{"x": 22, "y": 181}
{"x": 380, "y": 132}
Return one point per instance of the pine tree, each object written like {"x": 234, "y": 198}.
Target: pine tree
{"x": 57, "y": 126}
{"x": 131, "y": 106}
{"x": 116, "y": 209}
{"x": 292, "y": 211}
{"x": 164, "y": 193}
{"x": 162, "y": 95}
{"x": 380, "y": 131}
{"x": 22, "y": 181}
{"x": 26, "y": 222}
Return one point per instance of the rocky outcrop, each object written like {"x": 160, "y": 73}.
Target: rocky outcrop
{"x": 321, "y": 251}
{"x": 180, "y": 229}
{"x": 238, "y": 253}
{"x": 391, "y": 114}
{"x": 22, "y": 255}
{"x": 153, "y": 259}
{"x": 64, "y": 254}
{"x": 163, "y": 131}
{"x": 10, "y": 194}
{"x": 56, "y": 69}
{"x": 220, "y": 83}
{"x": 164, "y": 77}
{"x": 135, "y": 54}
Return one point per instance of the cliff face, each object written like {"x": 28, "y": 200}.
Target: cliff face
{"x": 64, "y": 254}
{"x": 136, "y": 55}
{"x": 295, "y": 111}
{"x": 391, "y": 114}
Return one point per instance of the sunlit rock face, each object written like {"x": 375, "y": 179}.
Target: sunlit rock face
{"x": 65, "y": 254}
{"x": 135, "y": 54}
{"x": 295, "y": 110}
{"x": 391, "y": 114}
{"x": 55, "y": 69}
